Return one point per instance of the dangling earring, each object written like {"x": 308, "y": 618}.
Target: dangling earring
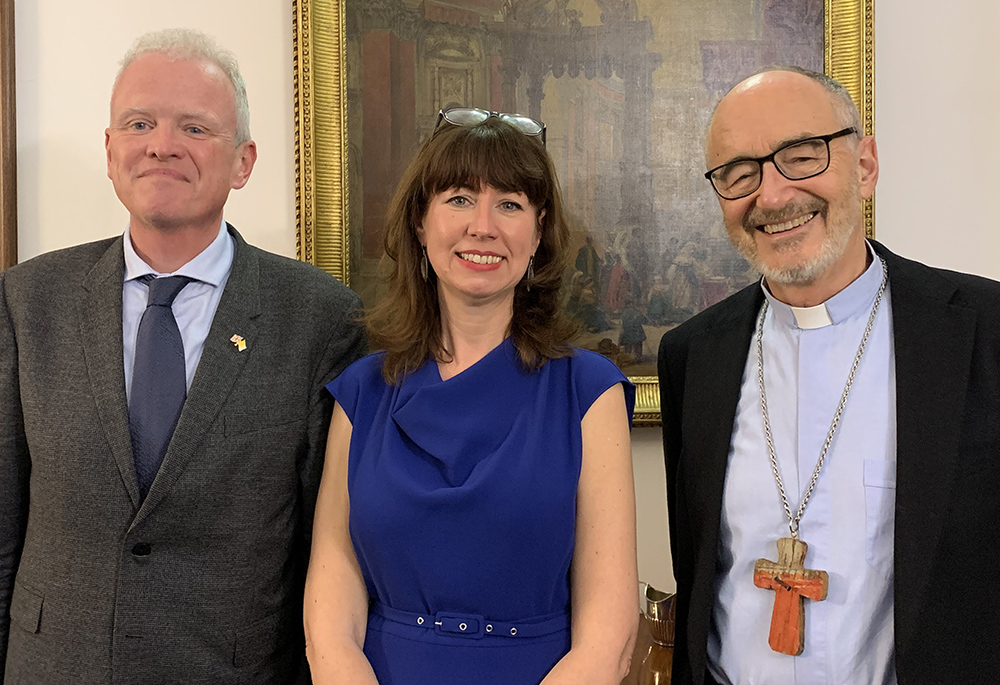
{"x": 423, "y": 262}
{"x": 530, "y": 276}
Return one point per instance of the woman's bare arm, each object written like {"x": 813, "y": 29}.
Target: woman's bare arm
{"x": 336, "y": 600}
{"x": 604, "y": 579}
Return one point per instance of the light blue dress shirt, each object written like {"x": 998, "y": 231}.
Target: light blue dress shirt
{"x": 848, "y": 523}
{"x": 194, "y": 307}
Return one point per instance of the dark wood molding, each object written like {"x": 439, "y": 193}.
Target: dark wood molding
{"x": 8, "y": 139}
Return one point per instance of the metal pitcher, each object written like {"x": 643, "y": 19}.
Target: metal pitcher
{"x": 659, "y": 613}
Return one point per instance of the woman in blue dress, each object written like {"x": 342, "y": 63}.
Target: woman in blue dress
{"x": 476, "y": 520}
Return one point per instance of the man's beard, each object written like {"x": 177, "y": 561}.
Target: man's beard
{"x": 839, "y": 228}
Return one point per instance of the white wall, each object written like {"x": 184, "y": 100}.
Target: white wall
{"x": 937, "y": 98}
{"x": 66, "y": 61}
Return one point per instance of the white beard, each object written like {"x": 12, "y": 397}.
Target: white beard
{"x": 847, "y": 214}
{"x": 834, "y": 245}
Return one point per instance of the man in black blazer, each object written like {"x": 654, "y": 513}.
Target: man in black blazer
{"x": 791, "y": 168}
{"x": 188, "y": 568}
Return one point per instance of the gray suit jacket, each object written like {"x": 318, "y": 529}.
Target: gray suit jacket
{"x": 201, "y": 582}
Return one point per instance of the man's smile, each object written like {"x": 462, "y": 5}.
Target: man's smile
{"x": 771, "y": 229}
{"x": 169, "y": 173}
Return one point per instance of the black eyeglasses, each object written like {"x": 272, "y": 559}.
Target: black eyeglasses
{"x": 472, "y": 116}
{"x": 795, "y": 161}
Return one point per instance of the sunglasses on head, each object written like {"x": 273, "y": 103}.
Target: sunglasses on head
{"x": 473, "y": 116}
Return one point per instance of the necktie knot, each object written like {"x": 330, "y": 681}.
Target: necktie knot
{"x": 163, "y": 291}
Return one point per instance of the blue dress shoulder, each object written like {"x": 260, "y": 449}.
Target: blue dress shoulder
{"x": 463, "y": 511}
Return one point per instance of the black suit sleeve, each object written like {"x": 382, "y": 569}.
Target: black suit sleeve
{"x": 672, "y": 372}
{"x": 670, "y": 416}
{"x": 347, "y": 343}
{"x": 15, "y": 469}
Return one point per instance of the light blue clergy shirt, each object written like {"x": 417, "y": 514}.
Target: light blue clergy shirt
{"x": 848, "y": 523}
{"x": 194, "y": 307}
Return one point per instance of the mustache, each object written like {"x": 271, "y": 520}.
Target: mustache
{"x": 758, "y": 217}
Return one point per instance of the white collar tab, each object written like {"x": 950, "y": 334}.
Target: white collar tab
{"x": 808, "y": 318}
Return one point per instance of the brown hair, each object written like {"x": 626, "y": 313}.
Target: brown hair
{"x": 406, "y": 323}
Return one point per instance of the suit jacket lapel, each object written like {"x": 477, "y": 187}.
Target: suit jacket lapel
{"x": 714, "y": 374}
{"x": 220, "y": 365}
{"x": 101, "y": 330}
{"x": 933, "y": 341}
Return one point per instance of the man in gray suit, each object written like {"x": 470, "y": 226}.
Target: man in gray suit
{"x": 159, "y": 460}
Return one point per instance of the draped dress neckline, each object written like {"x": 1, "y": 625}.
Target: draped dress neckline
{"x": 461, "y": 422}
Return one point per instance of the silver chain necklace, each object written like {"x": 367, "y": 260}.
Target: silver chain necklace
{"x": 793, "y": 521}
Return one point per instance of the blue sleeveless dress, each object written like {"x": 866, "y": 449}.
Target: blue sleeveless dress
{"x": 463, "y": 509}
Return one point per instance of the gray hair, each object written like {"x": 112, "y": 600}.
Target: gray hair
{"x": 843, "y": 103}
{"x": 188, "y": 44}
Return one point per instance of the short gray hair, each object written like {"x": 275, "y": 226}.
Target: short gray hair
{"x": 188, "y": 44}
{"x": 843, "y": 103}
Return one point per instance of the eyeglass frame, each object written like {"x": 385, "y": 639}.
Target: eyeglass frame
{"x": 850, "y": 130}
{"x": 503, "y": 116}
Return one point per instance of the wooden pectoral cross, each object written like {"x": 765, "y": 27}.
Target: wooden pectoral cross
{"x": 791, "y": 582}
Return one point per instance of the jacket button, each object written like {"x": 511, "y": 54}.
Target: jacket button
{"x": 141, "y": 549}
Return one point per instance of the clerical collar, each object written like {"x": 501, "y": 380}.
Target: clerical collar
{"x": 854, "y": 300}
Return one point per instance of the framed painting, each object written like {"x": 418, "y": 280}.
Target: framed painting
{"x": 8, "y": 139}
{"x": 626, "y": 89}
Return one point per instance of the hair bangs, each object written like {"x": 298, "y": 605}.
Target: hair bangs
{"x": 493, "y": 154}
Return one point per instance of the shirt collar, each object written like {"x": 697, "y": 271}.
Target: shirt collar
{"x": 211, "y": 265}
{"x": 849, "y": 302}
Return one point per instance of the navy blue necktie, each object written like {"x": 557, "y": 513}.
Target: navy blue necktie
{"x": 159, "y": 382}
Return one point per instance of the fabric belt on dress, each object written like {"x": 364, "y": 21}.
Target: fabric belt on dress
{"x": 456, "y": 624}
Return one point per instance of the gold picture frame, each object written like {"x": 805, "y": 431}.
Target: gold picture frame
{"x": 321, "y": 140}
{"x": 8, "y": 139}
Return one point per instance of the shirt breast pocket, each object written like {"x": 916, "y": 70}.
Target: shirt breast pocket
{"x": 880, "y": 513}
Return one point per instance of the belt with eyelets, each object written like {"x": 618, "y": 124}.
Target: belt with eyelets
{"x": 456, "y": 624}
